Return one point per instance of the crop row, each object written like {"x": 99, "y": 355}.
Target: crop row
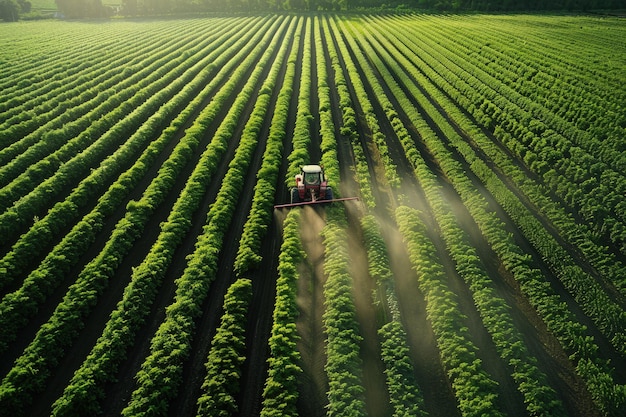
{"x": 343, "y": 338}
{"x": 494, "y": 312}
{"x": 46, "y": 229}
{"x": 280, "y": 393}
{"x": 94, "y": 277}
{"x": 474, "y": 388}
{"x": 568, "y": 169}
{"x": 606, "y": 395}
{"x": 149, "y": 94}
{"x": 77, "y": 121}
{"x": 222, "y": 382}
{"x": 104, "y": 359}
{"x": 58, "y": 100}
{"x": 404, "y": 394}
{"x": 18, "y": 306}
{"x": 301, "y": 135}
{"x": 223, "y": 367}
{"x": 606, "y": 314}
{"x": 255, "y": 228}
{"x": 161, "y": 372}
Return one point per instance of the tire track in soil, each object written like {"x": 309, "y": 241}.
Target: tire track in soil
{"x": 313, "y": 386}
{"x": 552, "y": 360}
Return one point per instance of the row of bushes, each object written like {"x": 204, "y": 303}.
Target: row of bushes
{"x": 38, "y": 155}
{"x": 56, "y": 335}
{"x": 227, "y": 354}
{"x": 589, "y": 294}
{"x": 366, "y": 107}
{"x": 569, "y": 169}
{"x": 43, "y": 109}
{"x": 556, "y": 313}
{"x": 144, "y": 98}
{"x": 404, "y": 394}
{"x": 589, "y": 112}
{"x": 280, "y": 393}
{"x": 222, "y": 383}
{"x": 301, "y": 140}
{"x": 476, "y": 392}
{"x": 539, "y": 397}
{"x": 18, "y": 306}
{"x": 260, "y": 216}
{"x": 164, "y": 105}
{"x": 160, "y": 375}
{"x": 343, "y": 362}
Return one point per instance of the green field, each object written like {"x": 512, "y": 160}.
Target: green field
{"x": 145, "y": 271}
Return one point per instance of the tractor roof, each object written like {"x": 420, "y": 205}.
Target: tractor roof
{"x": 311, "y": 169}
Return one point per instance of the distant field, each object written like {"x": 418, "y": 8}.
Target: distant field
{"x": 144, "y": 269}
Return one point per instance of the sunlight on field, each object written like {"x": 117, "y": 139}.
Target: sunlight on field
{"x": 481, "y": 272}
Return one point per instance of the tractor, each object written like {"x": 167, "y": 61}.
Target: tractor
{"x": 312, "y": 188}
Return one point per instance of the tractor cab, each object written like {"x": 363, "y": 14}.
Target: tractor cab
{"x": 311, "y": 185}
{"x": 312, "y": 175}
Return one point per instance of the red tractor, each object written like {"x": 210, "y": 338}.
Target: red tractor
{"x": 312, "y": 188}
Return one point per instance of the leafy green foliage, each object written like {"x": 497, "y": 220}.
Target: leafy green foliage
{"x": 221, "y": 383}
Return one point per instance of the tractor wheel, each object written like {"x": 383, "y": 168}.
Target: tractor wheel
{"x": 295, "y": 196}
{"x": 329, "y": 194}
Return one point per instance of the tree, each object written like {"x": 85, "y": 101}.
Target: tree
{"x": 9, "y": 10}
{"x": 76, "y": 9}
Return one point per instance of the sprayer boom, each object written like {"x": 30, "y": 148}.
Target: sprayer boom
{"x": 307, "y": 203}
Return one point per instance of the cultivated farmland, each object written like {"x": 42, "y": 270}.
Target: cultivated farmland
{"x": 144, "y": 271}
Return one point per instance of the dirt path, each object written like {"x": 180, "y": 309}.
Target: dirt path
{"x": 314, "y": 384}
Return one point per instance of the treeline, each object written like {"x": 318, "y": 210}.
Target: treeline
{"x": 94, "y": 8}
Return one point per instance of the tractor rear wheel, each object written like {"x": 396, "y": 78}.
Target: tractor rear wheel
{"x": 295, "y": 196}
{"x": 329, "y": 194}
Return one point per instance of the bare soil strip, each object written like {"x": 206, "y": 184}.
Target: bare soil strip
{"x": 314, "y": 384}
